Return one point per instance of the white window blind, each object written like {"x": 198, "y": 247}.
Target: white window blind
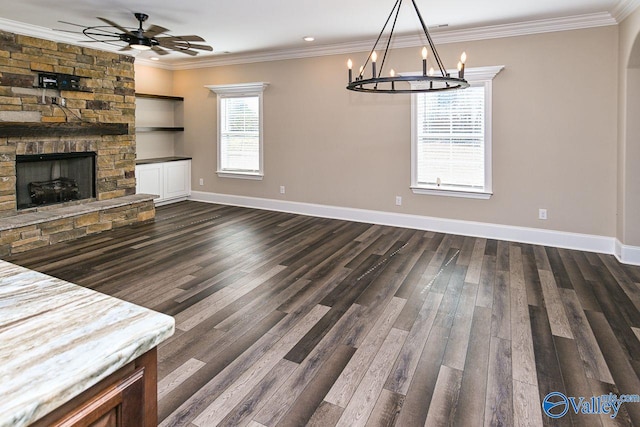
{"x": 240, "y": 134}
{"x": 451, "y": 139}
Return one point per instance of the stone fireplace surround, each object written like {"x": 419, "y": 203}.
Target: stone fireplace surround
{"x": 98, "y": 118}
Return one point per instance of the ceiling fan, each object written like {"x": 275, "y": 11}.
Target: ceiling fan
{"x": 141, "y": 39}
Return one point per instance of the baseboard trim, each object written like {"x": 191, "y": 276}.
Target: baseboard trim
{"x": 536, "y": 236}
{"x": 627, "y": 254}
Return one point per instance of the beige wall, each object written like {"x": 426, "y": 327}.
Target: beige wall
{"x": 554, "y": 127}
{"x": 152, "y": 80}
{"x": 628, "y": 221}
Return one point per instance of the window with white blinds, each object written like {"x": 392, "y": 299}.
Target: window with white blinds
{"x": 451, "y": 139}
{"x": 240, "y": 134}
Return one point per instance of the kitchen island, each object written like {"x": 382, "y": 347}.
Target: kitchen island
{"x": 73, "y": 354}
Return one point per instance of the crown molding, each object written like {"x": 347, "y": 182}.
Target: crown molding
{"x": 155, "y": 64}
{"x": 40, "y": 32}
{"x": 440, "y": 37}
{"x": 624, "y": 8}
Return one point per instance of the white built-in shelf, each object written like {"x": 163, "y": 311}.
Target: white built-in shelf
{"x": 159, "y": 128}
{"x": 164, "y": 116}
{"x": 165, "y": 97}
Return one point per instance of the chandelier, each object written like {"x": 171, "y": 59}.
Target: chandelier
{"x": 428, "y": 81}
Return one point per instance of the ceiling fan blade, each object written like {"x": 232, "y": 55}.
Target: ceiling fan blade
{"x": 182, "y": 50}
{"x": 113, "y": 24}
{"x": 154, "y": 30}
{"x": 185, "y": 46}
{"x": 159, "y": 51}
{"x": 191, "y": 38}
{"x": 198, "y": 46}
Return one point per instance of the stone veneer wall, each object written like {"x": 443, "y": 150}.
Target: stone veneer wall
{"x": 108, "y": 96}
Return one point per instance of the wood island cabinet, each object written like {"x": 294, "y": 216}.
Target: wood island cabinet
{"x": 127, "y": 398}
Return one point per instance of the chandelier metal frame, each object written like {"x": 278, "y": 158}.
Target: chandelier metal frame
{"x": 427, "y": 82}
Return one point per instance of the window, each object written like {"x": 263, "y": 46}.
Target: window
{"x": 240, "y": 148}
{"x": 451, "y": 139}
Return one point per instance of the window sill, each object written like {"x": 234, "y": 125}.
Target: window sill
{"x": 452, "y": 193}
{"x": 240, "y": 175}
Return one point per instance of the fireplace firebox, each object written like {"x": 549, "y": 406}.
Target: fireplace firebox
{"x": 45, "y": 179}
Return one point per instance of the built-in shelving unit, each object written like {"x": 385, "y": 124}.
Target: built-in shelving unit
{"x": 160, "y": 168}
{"x": 171, "y": 100}
{"x": 159, "y": 125}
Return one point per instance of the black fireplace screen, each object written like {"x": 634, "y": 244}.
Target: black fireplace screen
{"x": 45, "y": 179}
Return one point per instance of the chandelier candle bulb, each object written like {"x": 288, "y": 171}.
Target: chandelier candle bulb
{"x": 374, "y": 58}
{"x": 350, "y": 66}
{"x": 463, "y": 59}
{"x": 392, "y": 73}
{"x": 361, "y": 71}
{"x": 424, "y": 60}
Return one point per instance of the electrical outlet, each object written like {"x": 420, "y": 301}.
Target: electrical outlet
{"x": 201, "y": 181}
{"x": 398, "y": 200}
{"x": 282, "y": 189}
{"x": 542, "y": 214}
{"x": 63, "y": 102}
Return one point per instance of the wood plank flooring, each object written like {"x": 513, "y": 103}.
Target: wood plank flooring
{"x": 288, "y": 320}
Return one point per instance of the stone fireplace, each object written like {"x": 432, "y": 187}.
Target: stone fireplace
{"x": 97, "y": 122}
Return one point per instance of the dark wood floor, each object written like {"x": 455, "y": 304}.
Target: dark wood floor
{"x": 291, "y": 320}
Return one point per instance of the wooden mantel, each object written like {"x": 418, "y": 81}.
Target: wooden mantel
{"x": 39, "y": 129}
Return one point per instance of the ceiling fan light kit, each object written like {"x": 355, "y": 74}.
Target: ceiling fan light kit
{"x": 154, "y": 38}
{"x": 428, "y": 81}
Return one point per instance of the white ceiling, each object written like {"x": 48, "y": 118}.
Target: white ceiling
{"x": 242, "y": 27}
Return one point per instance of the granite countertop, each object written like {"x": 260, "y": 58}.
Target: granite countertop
{"x": 161, "y": 160}
{"x": 58, "y": 339}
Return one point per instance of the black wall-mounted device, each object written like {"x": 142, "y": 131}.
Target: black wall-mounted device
{"x": 58, "y": 81}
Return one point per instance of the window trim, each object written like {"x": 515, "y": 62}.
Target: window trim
{"x": 240, "y": 90}
{"x": 478, "y": 76}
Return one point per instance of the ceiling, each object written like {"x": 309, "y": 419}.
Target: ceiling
{"x": 244, "y": 27}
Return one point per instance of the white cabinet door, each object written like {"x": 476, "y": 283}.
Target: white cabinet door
{"x": 149, "y": 179}
{"x": 170, "y": 181}
{"x": 177, "y": 179}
